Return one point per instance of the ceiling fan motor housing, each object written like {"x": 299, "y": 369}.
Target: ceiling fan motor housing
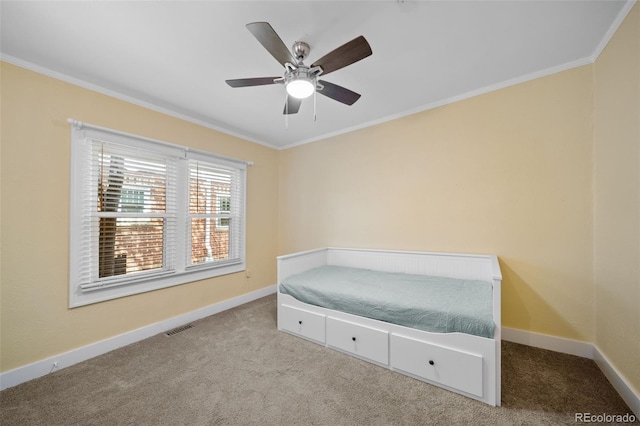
{"x": 300, "y": 51}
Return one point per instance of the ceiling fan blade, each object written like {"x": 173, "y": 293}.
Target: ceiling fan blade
{"x": 245, "y": 82}
{"x": 267, "y": 36}
{"x": 292, "y": 106}
{"x": 338, "y": 93}
{"x": 347, "y": 54}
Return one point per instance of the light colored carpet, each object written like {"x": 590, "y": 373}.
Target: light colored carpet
{"x": 235, "y": 368}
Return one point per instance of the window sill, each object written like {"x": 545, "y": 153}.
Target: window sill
{"x": 80, "y": 298}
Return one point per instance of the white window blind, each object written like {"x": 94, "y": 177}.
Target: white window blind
{"x": 215, "y": 214}
{"x": 147, "y": 215}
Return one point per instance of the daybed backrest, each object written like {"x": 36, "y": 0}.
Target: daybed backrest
{"x": 464, "y": 266}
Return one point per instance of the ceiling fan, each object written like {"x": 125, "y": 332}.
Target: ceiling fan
{"x": 302, "y": 81}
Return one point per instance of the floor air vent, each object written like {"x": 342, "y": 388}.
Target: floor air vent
{"x": 178, "y": 330}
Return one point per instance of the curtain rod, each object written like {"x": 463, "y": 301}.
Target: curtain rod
{"x": 80, "y": 124}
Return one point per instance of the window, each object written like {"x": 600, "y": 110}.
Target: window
{"x": 132, "y": 199}
{"x": 212, "y": 208}
{"x": 223, "y": 206}
{"x": 147, "y": 215}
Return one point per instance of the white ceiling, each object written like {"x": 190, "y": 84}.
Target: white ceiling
{"x": 175, "y": 56}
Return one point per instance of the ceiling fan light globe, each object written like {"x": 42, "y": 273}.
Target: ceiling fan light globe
{"x": 300, "y": 88}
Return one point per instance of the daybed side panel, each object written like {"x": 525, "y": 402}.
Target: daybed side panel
{"x": 292, "y": 264}
{"x": 497, "y": 319}
{"x": 296, "y": 263}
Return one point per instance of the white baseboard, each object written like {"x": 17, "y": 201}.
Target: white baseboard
{"x": 40, "y": 368}
{"x": 545, "y": 341}
{"x": 618, "y": 381}
{"x": 582, "y": 349}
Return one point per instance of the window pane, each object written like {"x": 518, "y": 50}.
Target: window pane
{"x": 209, "y": 243}
{"x": 210, "y": 198}
{"x": 129, "y": 245}
{"x": 206, "y": 184}
{"x": 129, "y": 184}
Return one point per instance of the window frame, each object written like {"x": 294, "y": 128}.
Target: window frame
{"x": 180, "y": 272}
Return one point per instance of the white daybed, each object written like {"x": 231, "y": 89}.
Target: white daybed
{"x": 463, "y": 363}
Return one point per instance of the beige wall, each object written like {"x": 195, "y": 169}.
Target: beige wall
{"x": 35, "y": 319}
{"x": 509, "y": 172}
{"x": 617, "y": 199}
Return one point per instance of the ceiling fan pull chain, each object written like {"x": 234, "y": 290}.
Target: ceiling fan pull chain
{"x": 315, "y": 95}
{"x": 286, "y": 110}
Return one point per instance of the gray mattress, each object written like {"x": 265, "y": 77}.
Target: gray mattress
{"x": 434, "y": 304}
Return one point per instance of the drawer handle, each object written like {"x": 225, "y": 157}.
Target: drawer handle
{"x": 353, "y": 338}
{"x": 431, "y": 362}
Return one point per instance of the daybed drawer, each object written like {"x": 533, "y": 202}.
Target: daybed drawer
{"x": 304, "y": 323}
{"x": 357, "y": 339}
{"x": 450, "y": 367}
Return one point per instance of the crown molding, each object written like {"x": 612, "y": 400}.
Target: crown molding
{"x": 127, "y": 98}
